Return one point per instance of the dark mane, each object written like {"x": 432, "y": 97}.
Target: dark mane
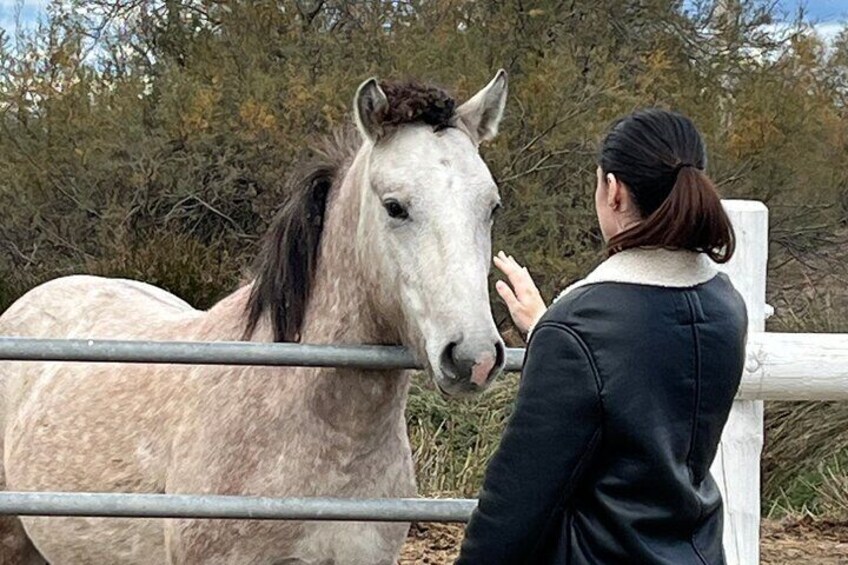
{"x": 285, "y": 267}
{"x": 413, "y": 102}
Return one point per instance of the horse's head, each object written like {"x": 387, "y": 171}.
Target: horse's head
{"x": 424, "y": 233}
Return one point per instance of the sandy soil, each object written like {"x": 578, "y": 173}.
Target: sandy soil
{"x": 805, "y": 542}
{"x": 795, "y": 542}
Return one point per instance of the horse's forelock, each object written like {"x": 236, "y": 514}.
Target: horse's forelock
{"x": 285, "y": 267}
{"x": 413, "y": 102}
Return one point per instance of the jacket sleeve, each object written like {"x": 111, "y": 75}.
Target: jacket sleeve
{"x": 550, "y": 438}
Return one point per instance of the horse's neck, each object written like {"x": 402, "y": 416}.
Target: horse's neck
{"x": 338, "y": 311}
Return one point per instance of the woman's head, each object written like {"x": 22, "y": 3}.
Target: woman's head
{"x": 652, "y": 190}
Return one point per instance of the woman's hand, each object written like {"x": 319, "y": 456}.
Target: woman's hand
{"x": 522, "y": 298}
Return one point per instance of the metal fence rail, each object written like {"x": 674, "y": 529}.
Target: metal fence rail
{"x": 128, "y": 505}
{"x": 218, "y": 353}
{"x": 122, "y": 505}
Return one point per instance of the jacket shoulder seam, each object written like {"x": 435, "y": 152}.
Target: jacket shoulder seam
{"x": 585, "y": 349}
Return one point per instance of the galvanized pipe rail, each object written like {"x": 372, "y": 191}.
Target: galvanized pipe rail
{"x": 125, "y": 505}
{"x": 129, "y": 505}
{"x": 375, "y": 357}
{"x": 779, "y": 366}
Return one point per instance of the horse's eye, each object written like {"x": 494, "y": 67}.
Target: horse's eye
{"x": 395, "y": 209}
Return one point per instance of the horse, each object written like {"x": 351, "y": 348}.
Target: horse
{"x": 385, "y": 239}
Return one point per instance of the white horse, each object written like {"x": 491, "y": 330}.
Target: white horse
{"x": 388, "y": 243}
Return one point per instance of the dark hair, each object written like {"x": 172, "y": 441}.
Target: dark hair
{"x": 284, "y": 270}
{"x": 660, "y": 157}
{"x": 415, "y": 102}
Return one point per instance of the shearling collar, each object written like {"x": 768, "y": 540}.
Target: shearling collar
{"x": 652, "y": 267}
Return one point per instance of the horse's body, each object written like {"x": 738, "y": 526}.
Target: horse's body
{"x": 255, "y": 430}
{"x": 136, "y": 428}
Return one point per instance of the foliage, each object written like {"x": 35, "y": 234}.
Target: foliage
{"x": 148, "y": 138}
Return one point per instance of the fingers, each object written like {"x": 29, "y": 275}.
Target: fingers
{"x": 509, "y": 262}
{"x": 507, "y": 265}
{"x": 518, "y": 276}
{"x": 520, "y": 294}
{"x": 503, "y": 263}
{"x": 507, "y": 295}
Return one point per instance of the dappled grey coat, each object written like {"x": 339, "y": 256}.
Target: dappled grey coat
{"x": 628, "y": 382}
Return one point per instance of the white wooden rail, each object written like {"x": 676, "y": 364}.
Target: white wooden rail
{"x": 798, "y": 366}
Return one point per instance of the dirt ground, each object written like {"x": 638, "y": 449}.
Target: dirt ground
{"x": 804, "y": 542}
{"x": 795, "y": 542}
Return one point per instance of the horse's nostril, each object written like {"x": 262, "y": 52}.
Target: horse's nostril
{"x": 449, "y": 367}
{"x": 500, "y": 359}
{"x": 462, "y": 360}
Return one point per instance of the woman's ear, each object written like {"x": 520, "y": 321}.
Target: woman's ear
{"x": 619, "y": 197}
{"x": 613, "y": 191}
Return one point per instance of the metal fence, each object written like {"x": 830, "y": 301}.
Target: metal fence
{"x": 125, "y": 505}
{"x": 128, "y": 505}
{"x": 376, "y": 357}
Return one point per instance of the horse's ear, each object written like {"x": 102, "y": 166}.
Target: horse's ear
{"x": 370, "y": 106}
{"x": 482, "y": 114}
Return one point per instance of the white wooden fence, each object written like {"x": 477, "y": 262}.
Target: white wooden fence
{"x": 778, "y": 367}
{"x": 736, "y": 468}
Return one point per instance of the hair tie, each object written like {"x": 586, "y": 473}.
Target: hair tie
{"x": 681, "y": 166}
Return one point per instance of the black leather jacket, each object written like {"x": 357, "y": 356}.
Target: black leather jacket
{"x": 624, "y": 394}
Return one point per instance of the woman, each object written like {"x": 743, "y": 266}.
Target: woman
{"x": 629, "y": 376}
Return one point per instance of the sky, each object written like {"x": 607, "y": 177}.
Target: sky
{"x": 829, "y": 15}
{"x": 29, "y": 12}
{"x": 820, "y": 10}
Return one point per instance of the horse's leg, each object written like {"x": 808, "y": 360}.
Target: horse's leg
{"x": 15, "y": 547}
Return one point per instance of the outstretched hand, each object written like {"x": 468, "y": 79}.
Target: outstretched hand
{"x": 521, "y": 295}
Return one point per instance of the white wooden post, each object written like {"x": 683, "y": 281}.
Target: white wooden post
{"x": 736, "y": 468}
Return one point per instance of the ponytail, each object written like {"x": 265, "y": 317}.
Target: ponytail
{"x": 660, "y": 157}
{"x": 691, "y": 217}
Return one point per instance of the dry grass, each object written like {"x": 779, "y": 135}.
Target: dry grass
{"x": 804, "y": 542}
{"x": 432, "y": 544}
{"x": 800, "y": 542}
{"x": 453, "y": 439}
{"x": 805, "y": 458}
